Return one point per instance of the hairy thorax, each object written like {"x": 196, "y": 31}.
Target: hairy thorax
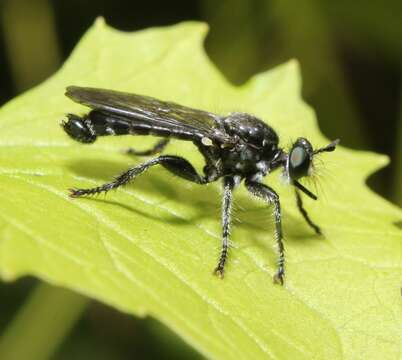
{"x": 256, "y": 145}
{"x": 243, "y": 160}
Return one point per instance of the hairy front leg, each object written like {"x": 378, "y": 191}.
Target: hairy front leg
{"x": 306, "y": 217}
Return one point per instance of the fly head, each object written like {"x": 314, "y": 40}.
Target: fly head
{"x": 300, "y": 162}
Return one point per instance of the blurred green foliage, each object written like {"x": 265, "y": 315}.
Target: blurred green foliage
{"x": 351, "y": 60}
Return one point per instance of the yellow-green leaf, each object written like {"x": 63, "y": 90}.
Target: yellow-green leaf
{"x": 150, "y": 248}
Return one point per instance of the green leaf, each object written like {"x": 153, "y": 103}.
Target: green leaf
{"x": 150, "y": 248}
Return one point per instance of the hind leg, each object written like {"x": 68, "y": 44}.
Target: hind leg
{"x": 175, "y": 164}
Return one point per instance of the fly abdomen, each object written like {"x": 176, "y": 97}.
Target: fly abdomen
{"x": 104, "y": 124}
{"x": 96, "y": 123}
{"x": 87, "y": 128}
{"x": 107, "y": 123}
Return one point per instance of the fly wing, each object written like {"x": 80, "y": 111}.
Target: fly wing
{"x": 138, "y": 108}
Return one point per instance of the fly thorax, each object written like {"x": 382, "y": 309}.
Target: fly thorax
{"x": 242, "y": 159}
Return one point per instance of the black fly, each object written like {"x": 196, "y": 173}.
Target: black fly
{"x": 236, "y": 147}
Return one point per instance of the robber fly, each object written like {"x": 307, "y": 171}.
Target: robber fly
{"x": 236, "y": 147}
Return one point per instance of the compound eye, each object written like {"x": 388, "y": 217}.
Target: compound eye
{"x": 298, "y": 156}
{"x": 299, "y": 162}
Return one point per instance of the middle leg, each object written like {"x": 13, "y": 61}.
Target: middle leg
{"x": 228, "y": 186}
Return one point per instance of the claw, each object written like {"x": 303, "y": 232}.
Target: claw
{"x": 219, "y": 272}
{"x": 73, "y": 193}
{"x": 278, "y": 278}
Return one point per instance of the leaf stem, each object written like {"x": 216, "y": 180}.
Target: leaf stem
{"x": 42, "y": 323}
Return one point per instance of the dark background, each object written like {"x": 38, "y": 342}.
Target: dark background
{"x": 351, "y": 60}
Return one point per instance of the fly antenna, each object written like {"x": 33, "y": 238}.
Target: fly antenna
{"x": 330, "y": 147}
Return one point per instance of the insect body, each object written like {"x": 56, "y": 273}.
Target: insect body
{"x": 236, "y": 147}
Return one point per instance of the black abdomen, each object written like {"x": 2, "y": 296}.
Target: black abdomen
{"x": 105, "y": 123}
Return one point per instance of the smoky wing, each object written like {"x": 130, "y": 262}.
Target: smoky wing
{"x": 138, "y": 108}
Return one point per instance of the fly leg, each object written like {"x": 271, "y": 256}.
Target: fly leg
{"x": 228, "y": 186}
{"x": 157, "y": 148}
{"x": 303, "y": 211}
{"x": 177, "y": 165}
{"x": 269, "y": 195}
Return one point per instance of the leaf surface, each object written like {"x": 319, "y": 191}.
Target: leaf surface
{"x": 150, "y": 247}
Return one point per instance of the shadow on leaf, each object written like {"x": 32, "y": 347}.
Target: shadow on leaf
{"x": 204, "y": 201}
